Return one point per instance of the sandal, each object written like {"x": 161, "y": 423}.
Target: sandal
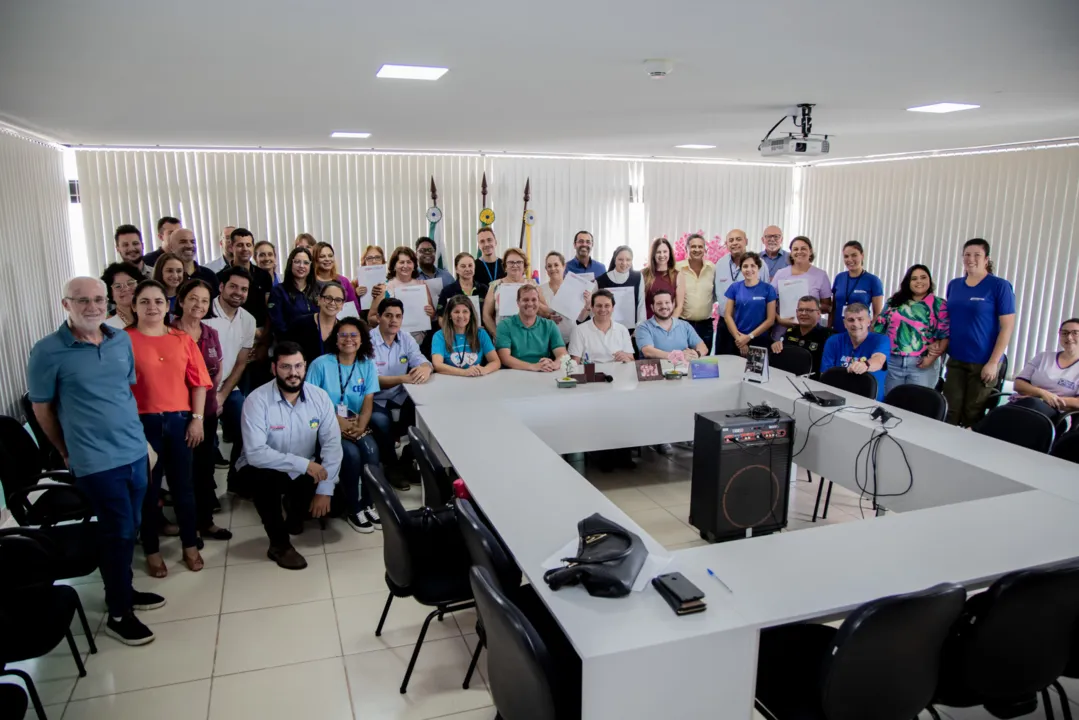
{"x": 216, "y": 533}
{"x": 155, "y": 566}
{"x": 194, "y": 562}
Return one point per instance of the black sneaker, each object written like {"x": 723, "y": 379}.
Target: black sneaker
{"x": 129, "y": 630}
{"x": 220, "y": 461}
{"x": 146, "y": 600}
{"x": 360, "y": 523}
{"x": 372, "y": 516}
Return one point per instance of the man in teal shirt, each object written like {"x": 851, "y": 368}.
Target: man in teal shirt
{"x": 526, "y": 341}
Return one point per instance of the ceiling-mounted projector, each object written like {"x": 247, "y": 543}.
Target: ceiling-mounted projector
{"x": 796, "y": 144}
{"x": 792, "y": 145}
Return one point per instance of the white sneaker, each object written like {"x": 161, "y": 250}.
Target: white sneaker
{"x": 372, "y": 516}
{"x": 359, "y": 523}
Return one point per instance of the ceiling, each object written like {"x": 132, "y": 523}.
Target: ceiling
{"x": 541, "y": 77}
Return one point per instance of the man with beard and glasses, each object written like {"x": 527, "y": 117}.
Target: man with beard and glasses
{"x": 292, "y": 448}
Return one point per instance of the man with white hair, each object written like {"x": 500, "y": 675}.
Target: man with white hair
{"x": 80, "y": 381}
{"x": 226, "y": 250}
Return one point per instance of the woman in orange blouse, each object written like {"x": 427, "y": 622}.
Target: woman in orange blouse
{"x": 170, "y": 388}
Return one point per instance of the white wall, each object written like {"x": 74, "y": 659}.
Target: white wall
{"x": 35, "y": 255}
{"x": 904, "y": 212}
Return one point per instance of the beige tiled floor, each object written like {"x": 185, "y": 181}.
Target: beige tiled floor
{"x": 244, "y": 639}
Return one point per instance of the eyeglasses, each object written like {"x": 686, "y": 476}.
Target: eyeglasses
{"x": 305, "y": 263}
{"x": 773, "y": 237}
{"x": 373, "y": 258}
{"x": 1069, "y": 333}
{"x": 516, "y": 263}
{"x": 333, "y": 300}
{"x": 125, "y": 285}
{"x": 85, "y": 302}
{"x": 288, "y": 368}
{"x": 348, "y": 335}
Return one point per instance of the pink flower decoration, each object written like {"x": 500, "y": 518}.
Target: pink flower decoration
{"x": 680, "y": 248}
{"x": 716, "y": 249}
{"x": 677, "y": 357}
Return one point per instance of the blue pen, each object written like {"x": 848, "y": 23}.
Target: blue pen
{"x": 720, "y": 580}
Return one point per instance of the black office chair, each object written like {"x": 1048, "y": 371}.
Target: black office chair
{"x": 1018, "y": 426}
{"x": 437, "y": 489}
{"x": 35, "y": 615}
{"x": 425, "y": 558}
{"x": 13, "y": 702}
{"x": 881, "y": 663}
{"x": 918, "y": 399}
{"x": 52, "y": 458}
{"x": 795, "y": 360}
{"x": 526, "y": 681}
{"x": 21, "y": 473}
{"x": 864, "y": 385}
{"x": 1066, "y": 446}
{"x": 1012, "y": 642}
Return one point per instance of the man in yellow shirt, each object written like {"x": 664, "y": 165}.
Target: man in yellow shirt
{"x": 700, "y": 288}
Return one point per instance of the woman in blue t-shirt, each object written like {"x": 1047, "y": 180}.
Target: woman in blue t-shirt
{"x": 462, "y": 347}
{"x": 751, "y": 308}
{"x": 350, "y": 378}
{"x": 855, "y": 285}
{"x": 981, "y": 309}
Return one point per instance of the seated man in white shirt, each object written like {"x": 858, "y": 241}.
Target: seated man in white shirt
{"x": 601, "y": 339}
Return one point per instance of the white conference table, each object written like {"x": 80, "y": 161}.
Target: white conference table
{"x": 974, "y": 513}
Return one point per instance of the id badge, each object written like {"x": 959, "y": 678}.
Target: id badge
{"x": 342, "y": 411}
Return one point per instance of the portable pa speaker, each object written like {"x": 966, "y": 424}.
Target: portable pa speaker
{"x": 741, "y": 474}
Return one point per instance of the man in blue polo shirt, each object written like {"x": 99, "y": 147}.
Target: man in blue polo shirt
{"x": 80, "y": 381}
{"x": 582, "y": 261}
{"x": 663, "y": 333}
{"x": 857, "y": 349}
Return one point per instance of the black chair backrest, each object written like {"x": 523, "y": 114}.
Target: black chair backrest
{"x": 485, "y": 549}
{"x": 884, "y": 660}
{"x": 20, "y": 458}
{"x": 864, "y": 384}
{"x": 1066, "y": 446}
{"x": 396, "y": 552}
{"x": 1019, "y": 426}
{"x": 429, "y": 471}
{"x": 918, "y": 399}
{"x": 50, "y": 455}
{"x": 795, "y": 360}
{"x": 1002, "y": 372}
{"x": 520, "y": 672}
{"x": 25, "y": 564}
{"x": 1016, "y": 637}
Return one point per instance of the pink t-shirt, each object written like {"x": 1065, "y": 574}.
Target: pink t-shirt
{"x": 1043, "y": 371}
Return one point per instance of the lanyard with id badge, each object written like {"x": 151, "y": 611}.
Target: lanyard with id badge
{"x": 342, "y": 407}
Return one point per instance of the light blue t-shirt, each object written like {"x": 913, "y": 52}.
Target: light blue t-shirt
{"x": 974, "y": 314}
{"x": 839, "y": 351}
{"x": 681, "y": 336}
{"x": 461, "y": 356}
{"x": 358, "y": 380}
{"x": 847, "y": 291}
{"x": 750, "y": 304}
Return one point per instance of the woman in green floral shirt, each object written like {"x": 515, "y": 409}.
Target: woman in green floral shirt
{"x": 916, "y": 320}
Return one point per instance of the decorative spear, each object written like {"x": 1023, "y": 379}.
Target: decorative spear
{"x": 434, "y": 224}
{"x": 487, "y": 215}
{"x": 528, "y": 196}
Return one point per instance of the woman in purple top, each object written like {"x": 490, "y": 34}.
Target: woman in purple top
{"x": 1049, "y": 382}
{"x": 192, "y": 305}
{"x": 326, "y": 271}
{"x": 916, "y": 321}
{"x": 801, "y": 269}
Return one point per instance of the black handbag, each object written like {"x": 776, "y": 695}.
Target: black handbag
{"x": 608, "y": 560}
{"x": 436, "y": 541}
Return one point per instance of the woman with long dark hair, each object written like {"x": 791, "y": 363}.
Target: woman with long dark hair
{"x": 462, "y": 347}
{"x": 297, "y": 295}
{"x": 855, "y": 285}
{"x": 170, "y": 391}
{"x": 169, "y": 272}
{"x": 981, "y": 309}
{"x": 192, "y": 306}
{"x": 350, "y": 378}
{"x": 661, "y": 275}
{"x": 916, "y": 321}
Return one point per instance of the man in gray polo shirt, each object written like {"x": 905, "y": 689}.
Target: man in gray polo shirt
{"x": 80, "y": 381}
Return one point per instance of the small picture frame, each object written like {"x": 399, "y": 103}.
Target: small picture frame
{"x": 648, "y": 370}
{"x": 704, "y": 368}
{"x": 756, "y": 365}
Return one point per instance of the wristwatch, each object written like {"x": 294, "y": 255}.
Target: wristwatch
{"x": 196, "y": 416}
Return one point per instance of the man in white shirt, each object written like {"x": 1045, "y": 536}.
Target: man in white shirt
{"x": 601, "y": 339}
{"x": 236, "y": 329}
{"x": 226, "y": 250}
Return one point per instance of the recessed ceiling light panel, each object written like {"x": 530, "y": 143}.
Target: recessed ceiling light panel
{"x": 349, "y": 134}
{"x": 693, "y": 146}
{"x": 411, "y": 72}
{"x": 944, "y": 107}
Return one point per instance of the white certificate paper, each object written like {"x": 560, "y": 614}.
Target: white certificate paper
{"x": 435, "y": 286}
{"x": 476, "y": 304}
{"x": 368, "y": 276}
{"x": 349, "y": 310}
{"x": 414, "y": 298}
{"x": 625, "y": 306}
{"x": 507, "y": 298}
{"x": 790, "y": 290}
{"x": 569, "y": 300}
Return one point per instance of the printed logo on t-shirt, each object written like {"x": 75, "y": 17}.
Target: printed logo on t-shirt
{"x": 464, "y": 359}
{"x": 212, "y": 352}
{"x": 1064, "y": 382}
{"x": 846, "y": 360}
{"x": 313, "y": 423}
{"x": 757, "y": 297}
{"x": 358, "y": 387}
{"x": 404, "y": 359}
{"x": 978, "y": 299}
{"x": 277, "y": 427}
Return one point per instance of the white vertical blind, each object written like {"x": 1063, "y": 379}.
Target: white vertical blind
{"x": 1023, "y": 203}
{"x": 35, "y": 254}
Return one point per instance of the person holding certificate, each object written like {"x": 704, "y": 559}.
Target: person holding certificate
{"x": 750, "y": 308}
{"x": 372, "y": 257}
{"x": 796, "y": 281}
{"x": 555, "y": 265}
{"x": 465, "y": 266}
{"x": 404, "y": 272}
{"x": 517, "y": 271}
{"x": 462, "y": 347}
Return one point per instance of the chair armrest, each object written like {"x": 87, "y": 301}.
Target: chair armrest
{"x": 34, "y": 533}
{"x": 1066, "y": 421}
{"x": 57, "y": 502}
{"x": 64, "y": 476}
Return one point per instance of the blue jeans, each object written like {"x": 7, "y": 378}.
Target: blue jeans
{"x": 387, "y": 431}
{"x": 116, "y": 496}
{"x": 166, "y": 433}
{"x": 357, "y": 453}
{"x": 904, "y": 370}
{"x": 229, "y": 417}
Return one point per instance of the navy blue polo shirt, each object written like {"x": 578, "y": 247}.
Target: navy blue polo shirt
{"x": 594, "y": 266}
{"x": 91, "y": 386}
